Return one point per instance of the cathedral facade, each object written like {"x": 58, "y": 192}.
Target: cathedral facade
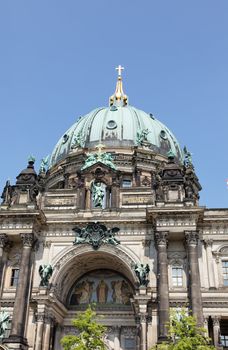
{"x": 112, "y": 218}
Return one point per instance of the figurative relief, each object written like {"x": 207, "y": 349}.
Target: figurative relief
{"x": 102, "y": 287}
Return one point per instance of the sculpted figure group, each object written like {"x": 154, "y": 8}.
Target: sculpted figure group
{"x": 88, "y": 291}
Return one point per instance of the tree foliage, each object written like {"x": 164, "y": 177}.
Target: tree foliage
{"x": 90, "y": 335}
{"x": 184, "y": 334}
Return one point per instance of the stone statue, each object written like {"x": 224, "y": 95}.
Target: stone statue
{"x": 93, "y": 158}
{"x": 84, "y": 292}
{"x": 97, "y": 194}
{"x": 126, "y": 293}
{"x": 107, "y": 159}
{"x": 157, "y": 185}
{"x": 4, "y": 320}
{"x": 78, "y": 140}
{"x": 189, "y": 193}
{"x": 6, "y": 194}
{"x": 142, "y": 136}
{"x": 187, "y": 158}
{"x": 44, "y": 164}
{"x": 90, "y": 160}
{"x": 45, "y": 272}
{"x": 142, "y": 272}
{"x": 110, "y": 236}
{"x": 102, "y": 292}
{"x": 117, "y": 291}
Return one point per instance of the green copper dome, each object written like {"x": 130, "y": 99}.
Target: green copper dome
{"x": 116, "y": 126}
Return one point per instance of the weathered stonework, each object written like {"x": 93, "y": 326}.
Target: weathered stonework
{"x": 152, "y": 198}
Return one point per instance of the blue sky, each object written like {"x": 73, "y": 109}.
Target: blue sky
{"x": 57, "y": 63}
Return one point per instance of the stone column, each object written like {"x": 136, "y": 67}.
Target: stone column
{"x": 47, "y": 332}
{"x": 192, "y": 238}
{"x": 3, "y": 242}
{"x": 205, "y": 325}
{"x": 138, "y": 328}
{"x": 22, "y": 296}
{"x": 116, "y": 337}
{"x": 143, "y": 335}
{"x": 39, "y": 331}
{"x": 88, "y": 199}
{"x": 115, "y": 194}
{"x": 210, "y": 265}
{"x": 162, "y": 284}
{"x": 216, "y": 330}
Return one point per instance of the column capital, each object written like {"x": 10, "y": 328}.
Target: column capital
{"x": 40, "y": 317}
{"x": 49, "y": 318}
{"x": 161, "y": 237}
{"x": 27, "y": 239}
{"x": 146, "y": 242}
{"x": 4, "y": 240}
{"x": 208, "y": 242}
{"x": 191, "y": 237}
{"x": 116, "y": 330}
{"x": 143, "y": 318}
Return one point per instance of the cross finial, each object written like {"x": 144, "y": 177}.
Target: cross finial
{"x": 119, "y": 69}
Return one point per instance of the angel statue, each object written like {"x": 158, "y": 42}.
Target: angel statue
{"x": 44, "y": 164}
{"x": 4, "y": 320}
{"x": 142, "y": 273}
{"x": 45, "y": 272}
{"x": 187, "y": 157}
{"x": 97, "y": 194}
{"x": 142, "y": 136}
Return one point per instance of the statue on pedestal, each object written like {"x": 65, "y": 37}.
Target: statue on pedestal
{"x": 142, "y": 272}
{"x": 45, "y": 272}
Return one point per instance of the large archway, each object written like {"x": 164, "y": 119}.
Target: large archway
{"x": 74, "y": 262}
{"x": 106, "y": 276}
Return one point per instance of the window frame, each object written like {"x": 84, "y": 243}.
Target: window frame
{"x": 13, "y": 278}
{"x": 177, "y": 276}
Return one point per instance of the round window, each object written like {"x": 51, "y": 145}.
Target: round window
{"x": 111, "y": 124}
{"x": 163, "y": 135}
{"x": 65, "y": 138}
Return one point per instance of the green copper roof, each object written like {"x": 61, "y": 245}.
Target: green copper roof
{"x": 116, "y": 126}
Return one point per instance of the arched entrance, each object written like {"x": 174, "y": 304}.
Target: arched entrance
{"x": 106, "y": 277}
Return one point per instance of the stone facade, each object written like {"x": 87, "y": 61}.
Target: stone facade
{"x": 147, "y": 214}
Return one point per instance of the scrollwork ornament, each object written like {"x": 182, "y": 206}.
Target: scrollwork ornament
{"x": 27, "y": 239}
{"x": 191, "y": 237}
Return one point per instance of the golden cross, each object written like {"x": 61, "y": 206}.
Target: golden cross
{"x": 119, "y": 69}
